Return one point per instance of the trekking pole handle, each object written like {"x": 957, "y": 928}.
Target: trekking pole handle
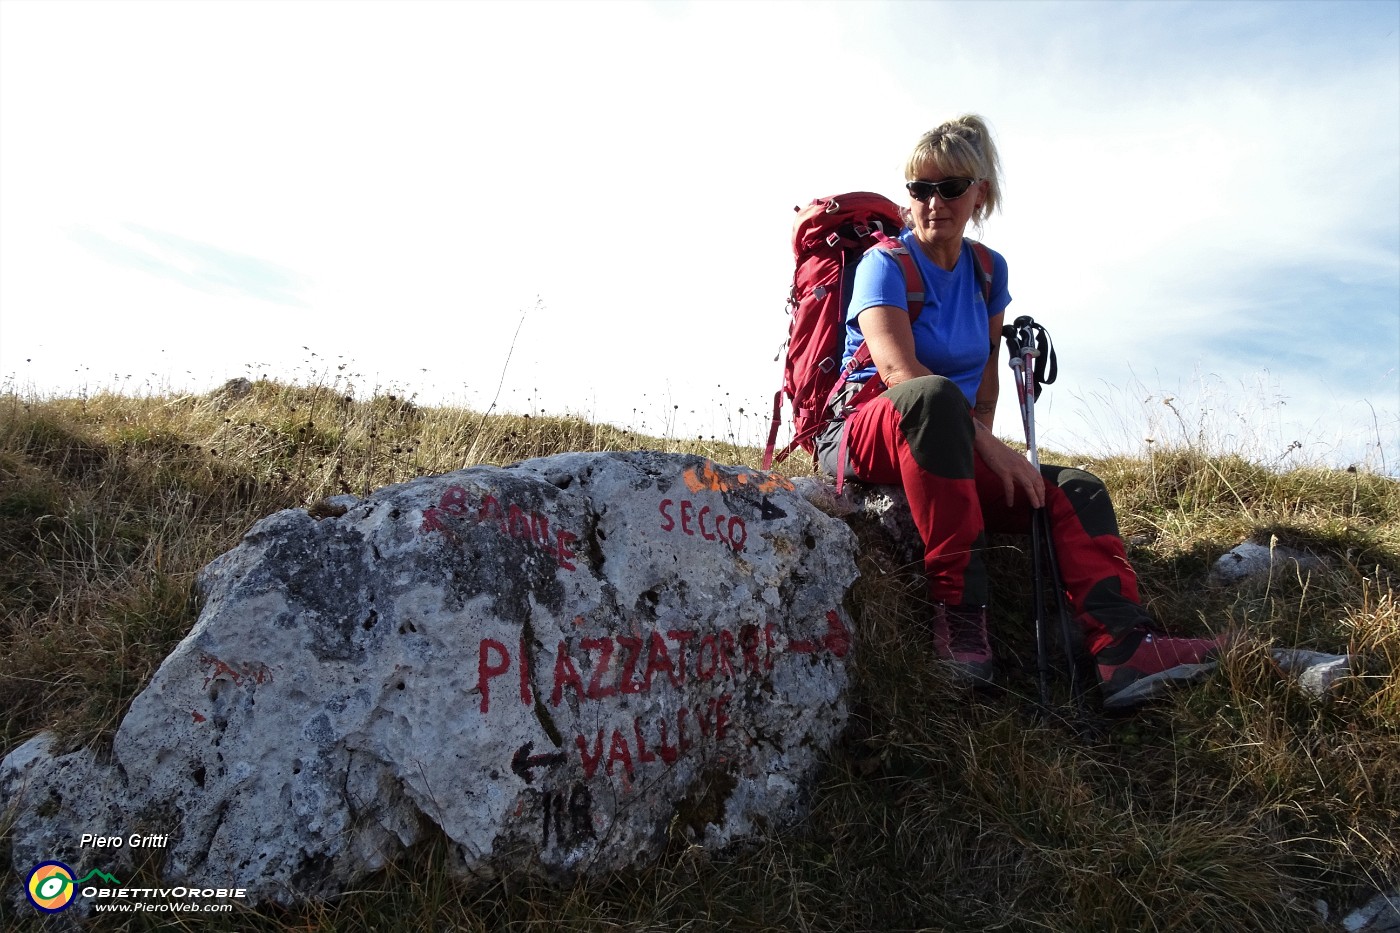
{"x": 1022, "y": 335}
{"x": 1013, "y": 340}
{"x": 1029, "y": 340}
{"x": 1022, "y": 372}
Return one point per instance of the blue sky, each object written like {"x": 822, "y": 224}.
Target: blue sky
{"x": 1202, "y": 201}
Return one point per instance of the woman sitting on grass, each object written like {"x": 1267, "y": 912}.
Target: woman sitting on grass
{"x": 927, "y": 426}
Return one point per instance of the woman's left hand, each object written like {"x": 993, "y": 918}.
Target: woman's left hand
{"x": 1014, "y": 470}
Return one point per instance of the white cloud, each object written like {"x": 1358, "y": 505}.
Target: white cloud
{"x": 622, "y": 175}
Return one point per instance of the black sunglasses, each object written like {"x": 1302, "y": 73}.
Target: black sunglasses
{"x": 949, "y": 189}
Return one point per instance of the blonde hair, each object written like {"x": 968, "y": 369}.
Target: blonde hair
{"x": 962, "y": 147}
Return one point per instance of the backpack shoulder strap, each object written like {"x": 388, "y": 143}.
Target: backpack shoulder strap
{"x": 914, "y": 297}
{"x": 984, "y": 270}
{"x": 913, "y": 279}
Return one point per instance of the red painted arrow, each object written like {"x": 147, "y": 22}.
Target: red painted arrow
{"x": 837, "y": 639}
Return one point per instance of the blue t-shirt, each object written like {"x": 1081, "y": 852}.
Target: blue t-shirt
{"x": 950, "y": 336}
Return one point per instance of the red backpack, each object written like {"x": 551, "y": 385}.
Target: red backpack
{"x": 828, "y": 239}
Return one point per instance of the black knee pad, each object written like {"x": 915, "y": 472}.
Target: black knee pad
{"x": 937, "y": 423}
{"x": 1089, "y": 497}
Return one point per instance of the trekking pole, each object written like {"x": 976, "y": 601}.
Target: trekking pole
{"x": 1033, "y": 364}
{"x": 1020, "y": 361}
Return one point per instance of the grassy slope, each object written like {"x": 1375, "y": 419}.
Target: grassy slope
{"x": 1231, "y": 807}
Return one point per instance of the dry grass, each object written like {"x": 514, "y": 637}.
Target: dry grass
{"x": 1235, "y": 806}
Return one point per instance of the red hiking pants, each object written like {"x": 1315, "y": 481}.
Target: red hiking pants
{"x": 918, "y": 435}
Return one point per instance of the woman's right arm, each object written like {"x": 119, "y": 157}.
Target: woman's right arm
{"x": 890, "y": 338}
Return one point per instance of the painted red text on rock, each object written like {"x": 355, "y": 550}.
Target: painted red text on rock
{"x": 687, "y": 517}
{"x": 251, "y": 673}
{"x": 510, "y": 519}
{"x": 625, "y": 750}
{"x": 493, "y": 660}
{"x": 590, "y": 669}
{"x": 248, "y": 674}
{"x": 837, "y": 639}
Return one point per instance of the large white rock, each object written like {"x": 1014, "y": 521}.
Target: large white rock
{"x": 556, "y": 663}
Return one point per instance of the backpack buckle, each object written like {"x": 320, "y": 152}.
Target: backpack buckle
{"x": 827, "y": 365}
{"x": 833, "y": 238}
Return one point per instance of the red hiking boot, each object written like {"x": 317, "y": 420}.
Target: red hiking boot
{"x": 1142, "y": 665}
{"x": 960, "y": 638}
